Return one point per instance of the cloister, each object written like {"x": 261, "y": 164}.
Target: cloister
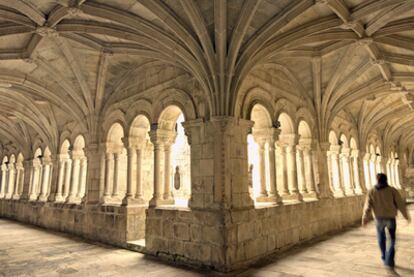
{"x": 209, "y": 133}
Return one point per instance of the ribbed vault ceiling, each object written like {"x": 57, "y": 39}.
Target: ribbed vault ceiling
{"x": 65, "y": 61}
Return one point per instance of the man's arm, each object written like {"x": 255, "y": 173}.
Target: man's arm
{"x": 400, "y": 203}
{"x": 367, "y": 209}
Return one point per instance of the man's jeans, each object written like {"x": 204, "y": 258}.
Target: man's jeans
{"x": 387, "y": 256}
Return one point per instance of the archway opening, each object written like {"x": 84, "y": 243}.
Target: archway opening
{"x": 176, "y": 167}
{"x": 142, "y": 161}
{"x": 115, "y": 166}
{"x": 258, "y": 153}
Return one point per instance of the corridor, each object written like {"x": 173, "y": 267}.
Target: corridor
{"x": 29, "y": 251}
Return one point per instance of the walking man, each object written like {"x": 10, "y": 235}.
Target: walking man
{"x": 385, "y": 201}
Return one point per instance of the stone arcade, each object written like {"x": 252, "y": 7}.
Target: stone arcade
{"x": 210, "y": 133}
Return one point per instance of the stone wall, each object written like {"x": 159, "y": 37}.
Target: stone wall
{"x": 229, "y": 240}
{"x": 110, "y": 224}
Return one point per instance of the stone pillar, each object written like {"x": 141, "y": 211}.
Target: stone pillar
{"x": 158, "y": 149}
{"x": 168, "y": 198}
{"x": 59, "y": 191}
{"x": 322, "y": 156}
{"x": 45, "y": 180}
{"x": 66, "y": 180}
{"x": 34, "y": 182}
{"x": 82, "y": 177}
{"x": 356, "y": 172}
{"x": 95, "y": 177}
{"x": 19, "y": 181}
{"x": 282, "y": 166}
{"x": 262, "y": 169}
{"x": 336, "y": 172}
{"x": 397, "y": 174}
{"x": 138, "y": 192}
{"x": 346, "y": 172}
{"x": 308, "y": 168}
{"x": 373, "y": 169}
{"x": 292, "y": 177}
{"x": 109, "y": 176}
{"x": 74, "y": 180}
{"x": 115, "y": 187}
{"x": 301, "y": 171}
{"x": 28, "y": 173}
{"x": 3, "y": 180}
{"x": 131, "y": 174}
{"x": 366, "y": 170}
{"x": 388, "y": 171}
{"x": 11, "y": 181}
{"x": 273, "y": 191}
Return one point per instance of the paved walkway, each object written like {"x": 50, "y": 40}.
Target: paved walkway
{"x": 31, "y": 251}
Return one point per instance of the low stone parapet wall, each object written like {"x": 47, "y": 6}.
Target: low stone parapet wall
{"x": 110, "y": 224}
{"x": 230, "y": 240}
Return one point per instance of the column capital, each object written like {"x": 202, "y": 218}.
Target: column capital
{"x": 289, "y": 139}
{"x": 161, "y": 136}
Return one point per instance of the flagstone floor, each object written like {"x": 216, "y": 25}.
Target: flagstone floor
{"x": 30, "y": 251}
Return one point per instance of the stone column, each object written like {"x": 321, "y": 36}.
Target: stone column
{"x": 282, "y": 172}
{"x": 336, "y": 172}
{"x": 131, "y": 174}
{"x": 356, "y": 172}
{"x": 309, "y": 174}
{"x": 82, "y": 177}
{"x": 373, "y": 169}
{"x": 168, "y": 198}
{"x": 11, "y": 181}
{"x": 273, "y": 192}
{"x": 45, "y": 180}
{"x": 59, "y": 191}
{"x": 3, "y": 180}
{"x": 322, "y": 155}
{"x": 17, "y": 187}
{"x": 95, "y": 176}
{"x": 109, "y": 176}
{"x": 115, "y": 187}
{"x": 388, "y": 171}
{"x": 262, "y": 197}
{"x": 34, "y": 182}
{"x": 138, "y": 193}
{"x": 74, "y": 180}
{"x": 28, "y": 173}
{"x": 397, "y": 174}
{"x": 292, "y": 167}
{"x": 158, "y": 149}
{"x": 301, "y": 171}
{"x": 346, "y": 172}
{"x": 67, "y": 179}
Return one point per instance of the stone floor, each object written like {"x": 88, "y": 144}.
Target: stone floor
{"x": 29, "y": 251}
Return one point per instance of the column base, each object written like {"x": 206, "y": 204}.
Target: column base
{"x": 339, "y": 194}
{"x": 8, "y": 196}
{"x": 295, "y": 196}
{"x": 32, "y": 197}
{"x": 154, "y": 202}
{"x": 2, "y": 195}
{"x": 42, "y": 198}
{"x": 131, "y": 201}
{"x": 16, "y": 197}
{"x": 276, "y": 199}
{"x": 73, "y": 200}
{"x": 349, "y": 192}
{"x": 106, "y": 199}
{"x": 311, "y": 195}
{"x": 59, "y": 199}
